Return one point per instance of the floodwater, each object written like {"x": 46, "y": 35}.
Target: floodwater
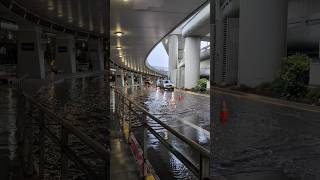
{"x": 186, "y": 113}
{"x": 8, "y": 131}
{"x": 265, "y": 140}
{"x": 260, "y": 140}
{"x": 84, "y": 102}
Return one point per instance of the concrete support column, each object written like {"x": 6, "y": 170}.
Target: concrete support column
{"x": 30, "y": 53}
{"x": 178, "y": 78}
{"x": 192, "y": 62}
{"x": 122, "y": 78}
{"x": 95, "y": 48}
{"x": 132, "y": 79}
{"x": 173, "y": 57}
{"x": 141, "y": 80}
{"x": 66, "y": 54}
{"x": 263, "y": 28}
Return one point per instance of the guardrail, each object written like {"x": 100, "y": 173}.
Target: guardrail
{"x": 125, "y": 104}
{"x": 44, "y": 115}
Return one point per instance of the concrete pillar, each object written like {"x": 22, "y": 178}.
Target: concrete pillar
{"x": 122, "y": 78}
{"x": 132, "y": 79}
{"x": 218, "y": 65}
{"x": 65, "y": 54}
{"x": 173, "y": 57}
{"x": 95, "y": 48}
{"x": 263, "y": 28}
{"x": 30, "y": 53}
{"x": 192, "y": 61}
{"x": 141, "y": 80}
{"x": 178, "y": 84}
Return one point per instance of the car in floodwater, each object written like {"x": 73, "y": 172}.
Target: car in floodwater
{"x": 158, "y": 83}
{"x": 166, "y": 85}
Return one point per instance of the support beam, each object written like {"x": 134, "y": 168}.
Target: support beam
{"x": 122, "y": 78}
{"x": 263, "y": 29}
{"x": 141, "y": 80}
{"x": 95, "y": 48}
{"x": 65, "y": 54}
{"x": 30, "y": 53}
{"x": 132, "y": 79}
{"x": 173, "y": 57}
{"x": 192, "y": 61}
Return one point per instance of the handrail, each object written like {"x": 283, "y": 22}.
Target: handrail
{"x": 97, "y": 147}
{"x": 67, "y": 129}
{"x": 203, "y": 151}
{"x": 201, "y": 171}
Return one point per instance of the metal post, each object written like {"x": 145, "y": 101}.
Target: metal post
{"x": 145, "y": 148}
{"x": 64, "y": 158}
{"x": 41, "y": 145}
{"x": 204, "y": 167}
{"x": 130, "y": 122}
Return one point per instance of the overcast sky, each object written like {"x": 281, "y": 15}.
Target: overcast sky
{"x": 158, "y": 56}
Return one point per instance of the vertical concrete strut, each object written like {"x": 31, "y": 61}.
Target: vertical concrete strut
{"x": 30, "y": 53}
{"x": 262, "y": 42}
{"x": 65, "y": 54}
{"x": 173, "y": 57}
{"x": 95, "y": 48}
{"x": 192, "y": 62}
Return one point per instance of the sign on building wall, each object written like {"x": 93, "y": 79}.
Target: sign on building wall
{"x": 27, "y": 46}
{"x": 62, "y": 49}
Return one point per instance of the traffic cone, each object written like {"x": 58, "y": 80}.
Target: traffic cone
{"x": 180, "y": 97}
{"x": 223, "y": 112}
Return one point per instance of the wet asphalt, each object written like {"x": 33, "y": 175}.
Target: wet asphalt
{"x": 259, "y": 140}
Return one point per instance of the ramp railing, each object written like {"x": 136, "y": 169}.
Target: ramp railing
{"x": 125, "y": 105}
{"x": 37, "y": 124}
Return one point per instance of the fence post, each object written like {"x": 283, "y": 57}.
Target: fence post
{"x": 204, "y": 167}
{"x": 64, "y": 158}
{"x": 130, "y": 122}
{"x": 41, "y": 144}
{"x": 145, "y": 148}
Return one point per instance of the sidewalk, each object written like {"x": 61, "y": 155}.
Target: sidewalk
{"x": 123, "y": 164}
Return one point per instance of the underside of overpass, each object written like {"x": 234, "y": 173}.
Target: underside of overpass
{"x": 241, "y": 44}
{"x": 82, "y": 102}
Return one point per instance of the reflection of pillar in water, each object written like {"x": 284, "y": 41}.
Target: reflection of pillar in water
{"x": 12, "y": 128}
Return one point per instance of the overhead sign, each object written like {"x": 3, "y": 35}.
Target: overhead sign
{"x": 62, "y": 49}
{"x": 27, "y": 46}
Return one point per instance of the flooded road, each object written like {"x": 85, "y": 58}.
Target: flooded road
{"x": 186, "y": 113}
{"x": 84, "y": 103}
{"x": 265, "y": 139}
{"x": 260, "y": 140}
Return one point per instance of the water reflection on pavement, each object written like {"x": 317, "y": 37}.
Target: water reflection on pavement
{"x": 84, "y": 103}
{"x": 186, "y": 113}
{"x": 265, "y": 140}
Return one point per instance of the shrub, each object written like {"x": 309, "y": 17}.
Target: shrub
{"x": 278, "y": 85}
{"x": 294, "y": 76}
{"x": 202, "y": 85}
{"x": 313, "y": 95}
{"x": 264, "y": 86}
{"x": 244, "y": 87}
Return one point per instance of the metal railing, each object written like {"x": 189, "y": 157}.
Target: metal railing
{"x": 44, "y": 115}
{"x": 125, "y": 104}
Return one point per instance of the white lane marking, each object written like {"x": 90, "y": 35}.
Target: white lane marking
{"x": 195, "y": 126}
